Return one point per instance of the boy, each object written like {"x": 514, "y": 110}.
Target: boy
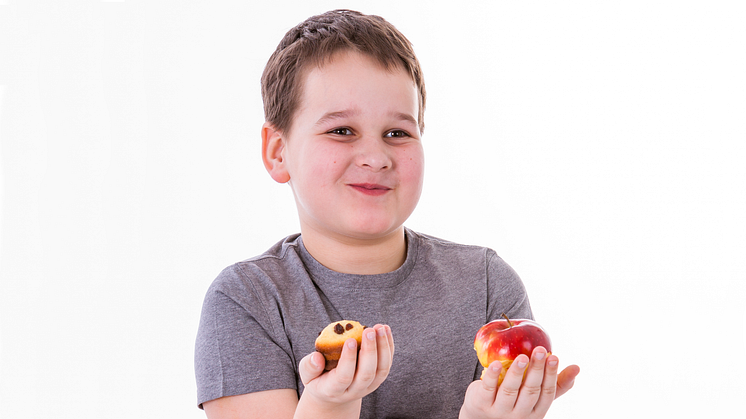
{"x": 344, "y": 100}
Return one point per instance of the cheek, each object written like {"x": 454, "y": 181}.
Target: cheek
{"x": 413, "y": 167}
{"x": 322, "y": 170}
{"x": 315, "y": 159}
{"x": 331, "y": 164}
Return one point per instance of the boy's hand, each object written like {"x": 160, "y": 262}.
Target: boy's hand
{"x": 355, "y": 376}
{"x": 513, "y": 399}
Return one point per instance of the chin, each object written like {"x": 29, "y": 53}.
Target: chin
{"x": 377, "y": 224}
{"x": 370, "y": 231}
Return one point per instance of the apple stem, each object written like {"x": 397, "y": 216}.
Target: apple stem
{"x": 509, "y": 322}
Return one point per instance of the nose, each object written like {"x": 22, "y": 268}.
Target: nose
{"x": 372, "y": 154}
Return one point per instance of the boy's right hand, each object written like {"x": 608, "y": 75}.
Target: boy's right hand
{"x": 339, "y": 392}
{"x": 516, "y": 397}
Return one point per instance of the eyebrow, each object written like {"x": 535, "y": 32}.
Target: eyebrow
{"x": 347, "y": 113}
{"x": 331, "y": 116}
{"x": 405, "y": 117}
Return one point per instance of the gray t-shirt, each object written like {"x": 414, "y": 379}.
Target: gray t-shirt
{"x": 261, "y": 317}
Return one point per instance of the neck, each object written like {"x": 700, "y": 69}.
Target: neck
{"x": 357, "y": 256}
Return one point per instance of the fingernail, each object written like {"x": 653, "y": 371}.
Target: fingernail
{"x": 540, "y": 355}
{"x": 351, "y": 343}
{"x": 552, "y": 363}
{"x": 313, "y": 363}
{"x": 382, "y": 331}
{"x": 521, "y": 364}
{"x": 371, "y": 335}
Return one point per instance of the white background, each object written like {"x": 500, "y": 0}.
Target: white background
{"x": 599, "y": 147}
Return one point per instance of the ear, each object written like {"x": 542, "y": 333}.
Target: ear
{"x": 273, "y": 151}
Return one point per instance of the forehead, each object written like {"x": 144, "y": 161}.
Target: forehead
{"x": 350, "y": 76}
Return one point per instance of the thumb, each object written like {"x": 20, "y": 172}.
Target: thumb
{"x": 311, "y": 366}
{"x": 566, "y": 379}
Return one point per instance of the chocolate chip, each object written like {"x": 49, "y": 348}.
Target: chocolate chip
{"x": 338, "y": 329}
{"x": 349, "y": 326}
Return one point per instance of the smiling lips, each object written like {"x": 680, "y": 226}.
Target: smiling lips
{"x": 370, "y": 188}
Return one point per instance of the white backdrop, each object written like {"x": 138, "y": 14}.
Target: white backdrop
{"x": 599, "y": 147}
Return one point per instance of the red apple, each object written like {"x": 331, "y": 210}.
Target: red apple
{"x": 504, "y": 339}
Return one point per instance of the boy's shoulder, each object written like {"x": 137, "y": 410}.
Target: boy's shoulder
{"x": 437, "y": 242}
{"x": 277, "y": 251}
{"x": 274, "y": 258}
{"x": 437, "y": 251}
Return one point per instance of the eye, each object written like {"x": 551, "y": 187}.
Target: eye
{"x": 340, "y": 131}
{"x": 397, "y": 133}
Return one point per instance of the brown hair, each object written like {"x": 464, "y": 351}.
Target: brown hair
{"x": 314, "y": 42}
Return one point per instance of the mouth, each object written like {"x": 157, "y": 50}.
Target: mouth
{"x": 370, "y": 188}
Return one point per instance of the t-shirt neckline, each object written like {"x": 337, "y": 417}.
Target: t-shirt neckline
{"x": 325, "y": 276}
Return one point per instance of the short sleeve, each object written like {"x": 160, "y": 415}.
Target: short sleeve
{"x": 506, "y": 292}
{"x": 237, "y": 350}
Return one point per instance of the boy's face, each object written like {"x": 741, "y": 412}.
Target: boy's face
{"x": 353, "y": 153}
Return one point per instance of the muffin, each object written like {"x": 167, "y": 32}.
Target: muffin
{"x": 331, "y": 340}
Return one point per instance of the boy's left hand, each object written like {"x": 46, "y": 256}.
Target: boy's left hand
{"x": 516, "y": 397}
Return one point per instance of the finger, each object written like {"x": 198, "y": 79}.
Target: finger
{"x": 381, "y": 335}
{"x": 566, "y": 379}
{"x": 490, "y": 378}
{"x": 508, "y": 391}
{"x": 532, "y": 384}
{"x": 385, "y": 347}
{"x": 480, "y": 395}
{"x": 311, "y": 366}
{"x": 475, "y": 404}
{"x": 367, "y": 362}
{"x": 548, "y": 386}
{"x": 390, "y": 339}
{"x": 342, "y": 376}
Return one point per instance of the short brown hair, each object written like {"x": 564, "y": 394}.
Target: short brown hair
{"x": 314, "y": 42}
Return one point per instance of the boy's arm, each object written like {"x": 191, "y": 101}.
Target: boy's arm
{"x": 505, "y": 291}
{"x": 270, "y": 404}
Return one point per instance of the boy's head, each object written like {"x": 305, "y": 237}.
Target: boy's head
{"x": 313, "y": 43}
